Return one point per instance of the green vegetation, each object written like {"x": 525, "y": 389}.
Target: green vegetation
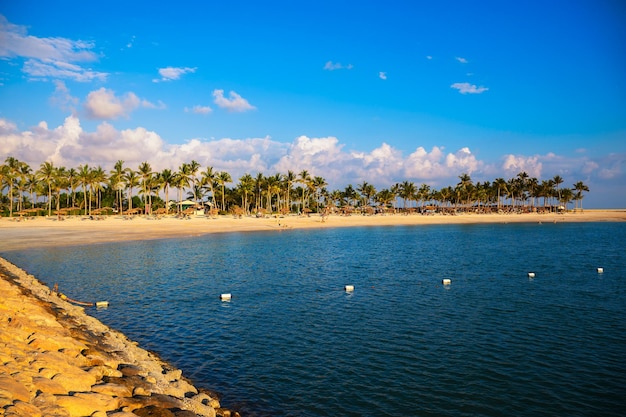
{"x": 88, "y": 190}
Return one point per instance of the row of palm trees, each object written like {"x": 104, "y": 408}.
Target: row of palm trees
{"x": 87, "y": 188}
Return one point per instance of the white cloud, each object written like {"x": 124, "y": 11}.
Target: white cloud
{"x": 467, "y": 88}
{"x": 235, "y": 103}
{"x": 48, "y": 57}
{"x": 461, "y": 60}
{"x": 330, "y": 66}
{"x": 173, "y": 73}
{"x": 514, "y": 164}
{"x": 382, "y": 75}
{"x": 69, "y": 145}
{"x": 199, "y": 109}
{"x": 429, "y": 57}
{"x": 103, "y": 104}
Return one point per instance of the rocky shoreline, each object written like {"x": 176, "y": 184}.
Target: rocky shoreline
{"x": 55, "y": 360}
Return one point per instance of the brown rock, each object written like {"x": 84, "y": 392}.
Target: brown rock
{"x": 179, "y": 389}
{"x": 75, "y": 380}
{"x": 21, "y": 409}
{"x": 16, "y": 389}
{"x": 101, "y": 371}
{"x": 86, "y": 403}
{"x": 158, "y": 400}
{"x": 49, "y": 386}
{"x": 112, "y": 390}
{"x": 153, "y": 411}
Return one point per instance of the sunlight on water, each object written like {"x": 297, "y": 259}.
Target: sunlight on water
{"x": 293, "y": 342}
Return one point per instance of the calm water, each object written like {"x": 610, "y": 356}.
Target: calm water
{"x": 292, "y": 342}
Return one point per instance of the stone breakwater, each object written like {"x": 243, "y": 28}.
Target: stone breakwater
{"x": 55, "y": 360}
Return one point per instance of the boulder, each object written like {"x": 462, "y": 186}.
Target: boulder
{"x": 16, "y": 389}
{"x": 86, "y": 403}
{"x": 75, "y": 380}
{"x": 113, "y": 390}
{"x": 49, "y": 386}
{"x": 21, "y": 409}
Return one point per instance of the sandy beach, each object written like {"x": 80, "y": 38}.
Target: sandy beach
{"x": 80, "y": 230}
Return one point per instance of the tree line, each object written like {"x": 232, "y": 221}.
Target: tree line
{"x": 128, "y": 190}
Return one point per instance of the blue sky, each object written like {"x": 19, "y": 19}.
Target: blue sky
{"x": 352, "y": 91}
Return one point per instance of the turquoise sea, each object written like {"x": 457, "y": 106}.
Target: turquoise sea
{"x": 293, "y": 342}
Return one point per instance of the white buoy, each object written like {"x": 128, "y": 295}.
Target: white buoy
{"x": 349, "y": 288}
{"x": 531, "y": 275}
{"x": 226, "y": 297}
{"x": 446, "y": 281}
{"x": 600, "y": 270}
{"x": 102, "y": 304}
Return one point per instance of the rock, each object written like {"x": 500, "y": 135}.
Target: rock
{"x": 16, "y": 389}
{"x": 21, "y": 409}
{"x": 101, "y": 371}
{"x": 153, "y": 411}
{"x": 179, "y": 389}
{"x": 173, "y": 375}
{"x": 122, "y": 414}
{"x": 75, "y": 380}
{"x": 49, "y": 386}
{"x": 86, "y": 403}
{"x": 158, "y": 400}
{"x": 141, "y": 391}
{"x": 129, "y": 370}
{"x": 199, "y": 408}
{"x": 113, "y": 390}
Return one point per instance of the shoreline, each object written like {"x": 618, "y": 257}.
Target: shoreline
{"x": 43, "y": 232}
{"x": 58, "y": 360}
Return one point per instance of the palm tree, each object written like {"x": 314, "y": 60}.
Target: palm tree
{"x": 406, "y": 192}
{"x": 318, "y": 185}
{"x": 580, "y": 187}
{"x": 98, "y": 177}
{"x": 131, "y": 179}
{"x": 558, "y": 181}
{"x": 46, "y": 174}
{"x": 11, "y": 175}
{"x": 464, "y": 188}
{"x": 59, "y": 181}
{"x": 208, "y": 179}
{"x": 289, "y": 179}
{"x": 385, "y": 197}
{"x": 145, "y": 172}
{"x": 245, "y": 186}
{"x": 166, "y": 178}
{"x": 116, "y": 177}
{"x": 194, "y": 166}
{"x": 222, "y": 179}
{"x": 304, "y": 178}
{"x": 367, "y": 192}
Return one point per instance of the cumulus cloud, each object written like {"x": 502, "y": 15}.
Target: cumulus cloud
{"x": 514, "y": 164}
{"x": 461, "y": 60}
{"x": 104, "y": 104}
{"x": 46, "y": 58}
{"x": 382, "y": 75}
{"x": 333, "y": 66}
{"x": 467, "y": 88}
{"x": 234, "y": 102}
{"x": 70, "y": 145}
{"x": 173, "y": 73}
